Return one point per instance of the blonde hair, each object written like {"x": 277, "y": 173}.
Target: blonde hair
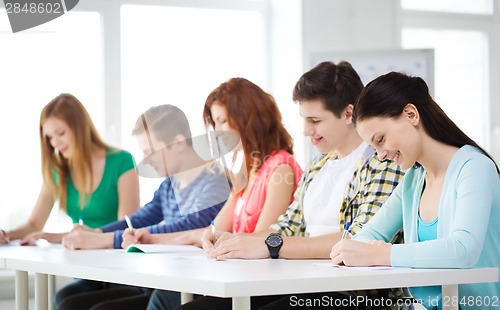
{"x": 71, "y": 111}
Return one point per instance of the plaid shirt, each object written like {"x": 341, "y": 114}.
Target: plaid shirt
{"x": 372, "y": 183}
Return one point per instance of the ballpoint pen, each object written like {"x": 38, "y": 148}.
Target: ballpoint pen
{"x": 4, "y": 234}
{"x": 213, "y": 232}
{"x": 129, "y": 223}
{"x": 346, "y": 227}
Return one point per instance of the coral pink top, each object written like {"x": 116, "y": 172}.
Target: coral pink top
{"x": 246, "y": 216}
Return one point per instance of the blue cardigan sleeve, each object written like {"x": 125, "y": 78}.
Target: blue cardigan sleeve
{"x": 464, "y": 213}
{"x": 463, "y": 217}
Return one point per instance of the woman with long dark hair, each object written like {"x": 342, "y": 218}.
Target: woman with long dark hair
{"x": 448, "y": 203}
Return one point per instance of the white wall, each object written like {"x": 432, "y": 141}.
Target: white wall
{"x": 348, "y": 25}
{"x": 345, "y": 25}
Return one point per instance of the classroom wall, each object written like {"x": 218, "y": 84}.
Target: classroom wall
{"x": 348, "y": 24}
{"x": 342, "y": 25}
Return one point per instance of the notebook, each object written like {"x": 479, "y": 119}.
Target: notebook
{"x": 162, "y": 248}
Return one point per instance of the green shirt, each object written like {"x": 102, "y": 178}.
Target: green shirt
{"x": 102, "y": 206}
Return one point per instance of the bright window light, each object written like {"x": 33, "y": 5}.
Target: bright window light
{"x": 63, "y": 55}
{"x": 461, "y": 82}
{"x": 452, "y": 6}
{"x": 177, "y": 56}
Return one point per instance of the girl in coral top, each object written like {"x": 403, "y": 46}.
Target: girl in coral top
{"x": 269, "y": 175}
{"x": 263, "y": 188}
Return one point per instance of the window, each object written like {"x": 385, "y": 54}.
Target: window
{"x": 465, "y": 46}
{"x": 162, "y": 65}
{"x": 64, "y": 55}
{"x": 461, "y": 63}
{"x": 121, "y": 57}
{"x": 455, "y": 6}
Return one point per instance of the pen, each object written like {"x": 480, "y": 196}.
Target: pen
{"x": 2, "y": 232}
{"x": 80, "y": 220}
{"x": 346, "y": 227}
{"x": 213, "y": 232}
{"x": 129, "y": 223}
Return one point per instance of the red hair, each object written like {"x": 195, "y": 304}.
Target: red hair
{"x": 254, "y": 114}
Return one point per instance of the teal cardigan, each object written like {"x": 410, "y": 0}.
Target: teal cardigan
{"x": 468, "y": 233}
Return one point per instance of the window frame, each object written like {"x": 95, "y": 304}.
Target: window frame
{"x": 489, "y": 24}
{"x": 111, "y": 21}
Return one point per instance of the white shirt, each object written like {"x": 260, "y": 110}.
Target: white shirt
{"x": 323, "y": 198}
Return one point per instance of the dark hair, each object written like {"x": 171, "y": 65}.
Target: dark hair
{"x": 165, "y": 121}
{"x": 388, "y": 95}
{"x": 254, "y": 114}
{"x": 336, "y": 86}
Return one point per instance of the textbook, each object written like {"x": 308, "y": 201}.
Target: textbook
{"x": 162, "y": 248}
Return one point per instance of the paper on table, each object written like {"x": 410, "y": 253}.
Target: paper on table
{"x": 38, "y": 242}
{"x": 359, "y": 268}
{"x": 162, "y": 248}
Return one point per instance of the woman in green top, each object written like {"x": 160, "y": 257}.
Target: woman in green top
{"x": 94, "y": 183}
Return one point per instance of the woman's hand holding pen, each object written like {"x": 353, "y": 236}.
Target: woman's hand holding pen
{"x": 135, "y": 236}
{"x": 355, "y": 253}
{"x": 207, "y": 241}
{"x": 209, "y": 236}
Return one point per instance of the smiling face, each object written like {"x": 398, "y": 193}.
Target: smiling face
{"x": 395, "y": 139}
{"x": 326, "y": 131}
{"x": 60, "y": 136}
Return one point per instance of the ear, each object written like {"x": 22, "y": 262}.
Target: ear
{"x": 178, "y": 143}
{"x": 347, "y": 113}
{"x": 410, "y": 112}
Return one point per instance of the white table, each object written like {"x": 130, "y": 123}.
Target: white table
{"x": 193, "y": 273}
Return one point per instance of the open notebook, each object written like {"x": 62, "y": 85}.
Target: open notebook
{"x": 162, "y": 248}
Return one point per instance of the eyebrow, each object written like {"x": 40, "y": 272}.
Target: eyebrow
{"x": 57, "y": 131}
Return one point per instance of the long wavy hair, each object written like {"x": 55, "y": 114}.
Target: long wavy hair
{"x": 254, "y": 114}
{"x": 388, "y": 95}
{"x": 71, "y": 111}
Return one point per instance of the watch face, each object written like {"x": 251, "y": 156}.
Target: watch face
{"x": 274, "y": 240}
